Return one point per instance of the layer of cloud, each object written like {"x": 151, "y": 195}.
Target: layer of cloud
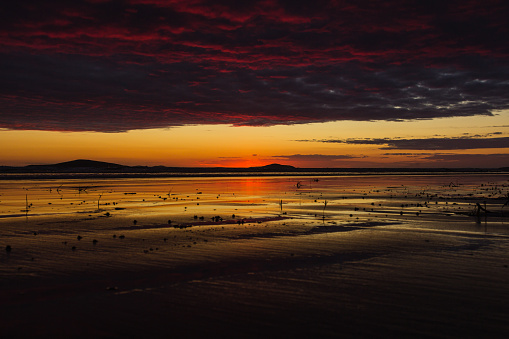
{"x": 469, "y": 160}
{"x": 394, "y": 160}
{"x": 426, "y": 143}
{"x": 317, "y": 157}
{"x": 120, "y": 65}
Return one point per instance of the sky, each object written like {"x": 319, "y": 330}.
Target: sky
{"x": 344, "y": 83}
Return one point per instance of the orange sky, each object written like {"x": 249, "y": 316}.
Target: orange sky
{"x": 223, "y": 145}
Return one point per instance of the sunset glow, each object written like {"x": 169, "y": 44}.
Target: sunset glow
{"x": 225, "y": 146}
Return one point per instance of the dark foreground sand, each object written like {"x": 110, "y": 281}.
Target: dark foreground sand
{"x": 286, "y": 272}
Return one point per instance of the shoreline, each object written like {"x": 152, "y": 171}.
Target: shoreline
{"x": 56, "y": 176}
{"x": 21, "y": 174}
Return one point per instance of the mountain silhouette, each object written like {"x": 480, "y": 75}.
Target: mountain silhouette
{"x": 274, "y": 167}
{"x": 82, "y": 163}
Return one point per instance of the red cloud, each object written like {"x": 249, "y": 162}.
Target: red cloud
{"x": 263, "y": 62}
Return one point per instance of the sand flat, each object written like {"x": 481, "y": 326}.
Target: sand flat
{"x": 341, "y": 256}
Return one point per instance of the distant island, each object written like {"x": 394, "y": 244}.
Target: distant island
{"x": 80, "y": 163}
{"x": 82, "y": 168}
{"x": 93, "y": 165}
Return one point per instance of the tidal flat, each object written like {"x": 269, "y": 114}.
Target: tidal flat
{"x": 327, "y": 256}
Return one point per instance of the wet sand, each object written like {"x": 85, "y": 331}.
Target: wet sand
{"x": 255, "y": 257}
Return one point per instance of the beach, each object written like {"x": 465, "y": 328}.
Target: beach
{"x": 328, "y": 256}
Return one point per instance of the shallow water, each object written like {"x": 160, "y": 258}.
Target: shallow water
{"x": 48, "y": 223}
{"x": 288, "y": 239}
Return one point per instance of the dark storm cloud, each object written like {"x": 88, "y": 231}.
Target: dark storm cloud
{"x": 119, "y": 65}
{"x": 426, "y": 143}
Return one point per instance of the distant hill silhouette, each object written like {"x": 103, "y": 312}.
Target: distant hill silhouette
{"x": 80, "y": 163}
{"x": 87, "y": 163}
{"x": 92, "y": 164}
{"x": 274, "y": 167}
{"x": 83, "y": 168}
